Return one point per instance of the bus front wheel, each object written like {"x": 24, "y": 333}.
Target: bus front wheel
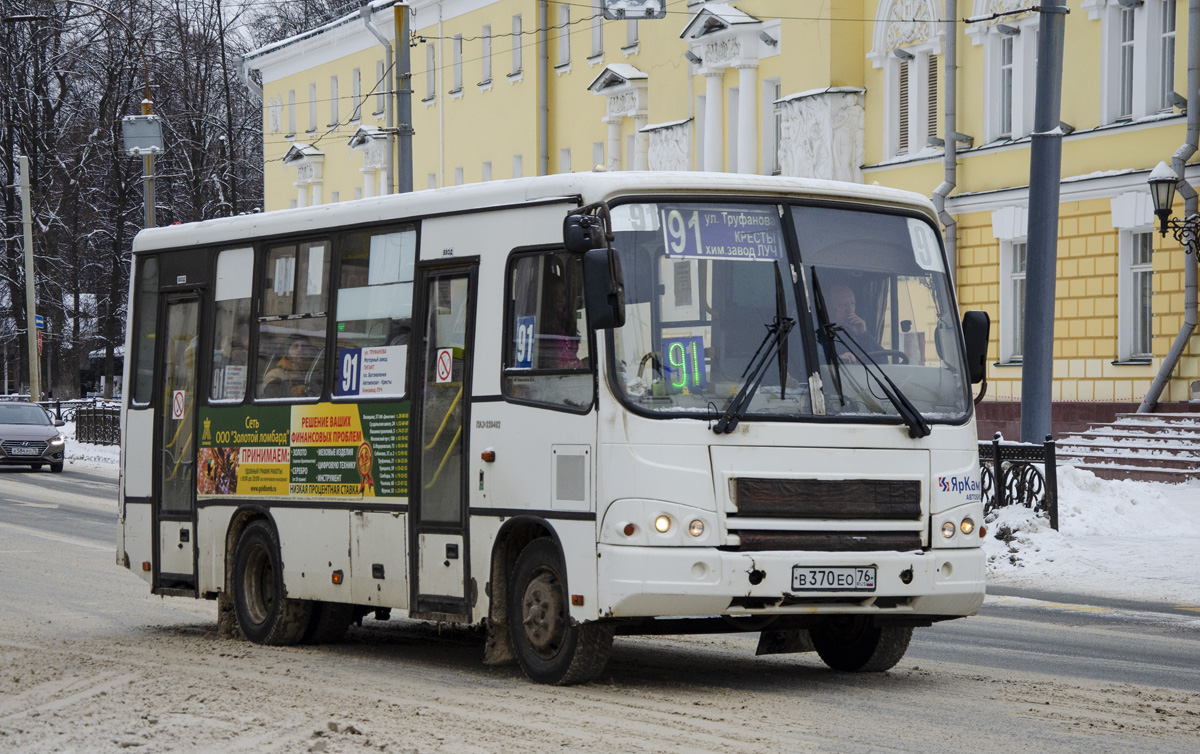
{"x": 264, "y": 613}
{"x": 549, "y": 648}
{"x": 853, "y": 644}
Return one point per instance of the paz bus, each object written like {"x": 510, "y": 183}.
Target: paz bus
{"x": 562, "y": 408}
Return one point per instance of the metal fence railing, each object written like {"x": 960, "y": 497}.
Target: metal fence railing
{"x": 1011, "y": 476}
{"x": 98, "y": 424}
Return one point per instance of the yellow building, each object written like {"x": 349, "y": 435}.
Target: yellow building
{"x": 844, "y": 89}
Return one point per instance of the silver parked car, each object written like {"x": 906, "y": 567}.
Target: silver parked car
{"x": 29, "y": 437}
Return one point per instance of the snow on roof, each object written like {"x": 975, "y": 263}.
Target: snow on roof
{"x": 583, "y": 188}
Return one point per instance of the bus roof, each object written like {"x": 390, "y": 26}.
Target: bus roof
{"x": 569, "y": 187}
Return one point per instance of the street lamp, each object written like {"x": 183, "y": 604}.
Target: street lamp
{"x": 1162, "y": 191}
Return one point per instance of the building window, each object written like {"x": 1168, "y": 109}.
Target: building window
{"x": 1006, "y": 86}
{"x": 1013, "y": 263}
{"x": 631, "y": 32}
{"x": 1137, "y": 58}
{"x": 516, "y": 44}
{"x": 356, "y": 93}
{"x": 1166, "y": 56}
{"x": 598, "y": 154}
{"x": 312, "y": 108}
{"x": 458, "y": 176}
{"x": 911, "y": 105}
{"x": 430, "y": 72}
{"x": 457, "y": 49}
{"x": 931, "y": 97}
{"x": 381, "y": 88}
{"x": 902, "y": 101}
{"x": 564, "y": 160}
{"x": 486, "y": 62}
{"x": 518, "y": 166}
{"x": 431, "y": 181}
{"x": 1125, "y": 74}
{"x": 1136, "y": 290}
{"x": 291, "y": 113}
{"x": 487, "y": 171}
{"x": 333, "y": 101}
{"x": 597, "y": 28}
{"x": 1010, "y": 55}
{"x": 776, "y": 120}
{"x": 564, "y": 35}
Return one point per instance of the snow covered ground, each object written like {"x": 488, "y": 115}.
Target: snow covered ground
{"x": 1120, "y": 539}
{"x": 89, "y": 456}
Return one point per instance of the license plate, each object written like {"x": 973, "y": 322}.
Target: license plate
{"x": 20, "y": 451}
{"x": 833, "y": 578}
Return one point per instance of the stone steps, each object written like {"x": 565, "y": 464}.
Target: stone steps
{"x": 1145, "y": 447}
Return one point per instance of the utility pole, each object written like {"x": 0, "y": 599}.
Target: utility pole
{"x": 404, "y": 183}
{"x": 148, "y": 166}
{"x": 1045, "y": 168}
{"x": 35, "y": 376}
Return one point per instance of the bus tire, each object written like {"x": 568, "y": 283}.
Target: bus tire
{"x": 328, "y": 623}
{"x": 854, "y": 645}
{"x": 549, "y": 648}
{"x": 264, "y": 613}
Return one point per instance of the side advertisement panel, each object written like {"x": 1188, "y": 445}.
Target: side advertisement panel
{"x": 310, "y": 452}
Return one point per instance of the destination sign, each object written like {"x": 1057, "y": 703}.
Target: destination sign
{"x": 736, "y": 233}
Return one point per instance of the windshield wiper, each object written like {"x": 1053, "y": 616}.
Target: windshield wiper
{"x": 826, "y": 335}
{"x": 776, "y": 335}
{"x": 917, "y": 426}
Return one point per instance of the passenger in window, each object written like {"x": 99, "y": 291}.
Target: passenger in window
{"x": 559, "y": 331}
{"x": 288, "y": 377}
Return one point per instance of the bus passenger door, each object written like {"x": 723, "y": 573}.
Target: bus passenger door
{"x": 175, "y": 510}
{"x": 439, "y": 438}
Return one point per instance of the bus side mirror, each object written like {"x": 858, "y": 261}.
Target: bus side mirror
{"x": 582, "y": 233}
{"x": 603, "y": 289}
{"x": 976, "y": 325}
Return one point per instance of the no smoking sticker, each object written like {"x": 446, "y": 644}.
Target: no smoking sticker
{"x": 177, "y": 399}
{"x": 445, "y": 364}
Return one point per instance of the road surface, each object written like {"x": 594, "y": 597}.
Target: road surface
{"x": 89, "y": 661}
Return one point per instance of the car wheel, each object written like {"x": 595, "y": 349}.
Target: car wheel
{"x": 56, "y": 468}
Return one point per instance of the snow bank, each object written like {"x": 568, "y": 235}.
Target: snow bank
{"x": 1121, "y": 539}
{"x": 87, "y": 455}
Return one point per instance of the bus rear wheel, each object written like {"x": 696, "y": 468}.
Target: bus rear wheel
{"x": 264, "y": 613}
{"x": 854, "y": 644}
{"x": 548, "y": 647}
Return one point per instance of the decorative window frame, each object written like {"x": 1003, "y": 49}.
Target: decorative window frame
{"x": 1024, "y": 69}
{"x": 1010, "y": 226}
{"x": 1147, "y": 50}
{"x": 907, "y": 26}
{"x": 1132, "y": 215}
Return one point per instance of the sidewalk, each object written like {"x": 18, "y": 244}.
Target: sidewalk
{"x": 1117, "y": 540}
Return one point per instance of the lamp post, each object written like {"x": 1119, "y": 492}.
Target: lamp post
{"x": 1162, "y": 191}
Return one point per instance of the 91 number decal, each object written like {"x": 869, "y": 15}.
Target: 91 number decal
{"x": 350, "y": 371}
{"x": 524, "y": 344}
{"x": 675, "y": 231}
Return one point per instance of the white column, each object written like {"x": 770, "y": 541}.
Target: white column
{"x": 317, "y": 197}
{"x": 614, "y": 141}
{"x": 301, "y": 194}
{"x": 714, "y": 111}
{"x": 747, "y": 135}
{"x": 641, "y": 144}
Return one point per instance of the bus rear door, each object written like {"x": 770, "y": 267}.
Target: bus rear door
{"x": 175, "y": 508}
{"x": 439, "y": 438}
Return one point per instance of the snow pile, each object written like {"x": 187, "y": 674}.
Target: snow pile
{"x": 87, "y": 455}
{"x": 1124, "y": 539}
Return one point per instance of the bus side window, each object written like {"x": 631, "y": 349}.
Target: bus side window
{"x": 231, "y": 333}
{"x": 291, "y": 328}
{"x": 374, "y": 313}
{"x": 546, "y": 358}
{"x": 145, "y": 314}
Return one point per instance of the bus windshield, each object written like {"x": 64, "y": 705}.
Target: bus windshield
{"x": 711, "y": 305}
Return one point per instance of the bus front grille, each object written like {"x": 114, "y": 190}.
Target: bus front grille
{"x": 829, "y": 541}
{"x": 829, "y": 499}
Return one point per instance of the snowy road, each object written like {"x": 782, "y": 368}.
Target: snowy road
{"x": 90, "y": 662}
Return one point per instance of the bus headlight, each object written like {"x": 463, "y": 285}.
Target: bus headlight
{"x": 948, "y": 529}
{"x": 967, "y": 526}
{"x": 696, "y": 528}
{"x": 662, "y": 524}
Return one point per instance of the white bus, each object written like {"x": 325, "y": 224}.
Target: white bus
{"x": 564, "y": 408}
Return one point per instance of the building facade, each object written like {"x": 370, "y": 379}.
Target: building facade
{"x": 847, "y": 90}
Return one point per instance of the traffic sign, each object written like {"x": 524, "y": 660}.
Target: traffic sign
{"x": 38, "y": 322}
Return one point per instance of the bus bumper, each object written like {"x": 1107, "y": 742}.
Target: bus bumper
{"x": 694, "y": 581}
